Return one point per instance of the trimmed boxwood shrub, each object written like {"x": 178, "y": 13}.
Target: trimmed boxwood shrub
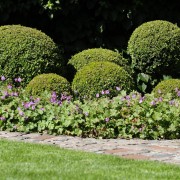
{"x": 167, "y": 86}
{"x": 155, "y": 48}
{"x": 26, "y": 52}
{"x": 48, "y": 82}
{"x": 83, "y": 58}
{"x": 98, "y": 76}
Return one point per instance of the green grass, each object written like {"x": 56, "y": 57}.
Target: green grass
{"x": 34, "y": 161}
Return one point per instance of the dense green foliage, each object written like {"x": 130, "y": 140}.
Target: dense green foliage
{"x": 168, "y": 86}
{"x": 26, "y": 52}
{"x": 155, "y": 48}
{"x": 100, "y": 76}
{"x": 124, "y": 116}
{"x": 83, "y": 58}
{"x": 48, "y": 82}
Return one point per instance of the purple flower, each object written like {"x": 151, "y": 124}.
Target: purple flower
{"x": 102, "y": 92}
{"x": 118, "y": 88}
{"x": 37, "y": 100}
{"x": 107, "y": 119}
{"x": 63, "y": 97}
{"x": 28, "y": 104}
{"x": 160, "y": 99}
{"x": 3, "y": 97}
{"x": 53, "y": 100}
{"x": 86, "y": 113}
{"x": 53, "y": 94}
{"x": 172, "y": 102}
{"x": 9, "y": 86}
{"x": 33, "y": 107}
{"x": 59, "y": 103}
{"x": 106, "y": 92}
{"x": 141, "y": 99}
{"x": 176, "y": 89}
{"x": 18, "y": 79}
{"x": 133, "y": 96}
{"x": 2, "y": 118}
{"x": 53, "y": 97}
{"x": 6, "y": 94}
{"x": 97, "y": 95}
{"x": 14, "y": 94}
{"x": 128, "y": 97}
{"x": 21, "y": 113}
{"x": 178, "y": 93}
{"x": 153, "y": 103}
{"x": 3, "y": 78}
{"x": 42, "y": 109}
{"x": 68, "y": 98}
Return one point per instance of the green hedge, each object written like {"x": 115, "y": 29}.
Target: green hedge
{"x": 27, "y": 52}
{"x": 155, "y": 48}
{"x": 167, "y": 86}
{"x": 48, "y": 82}
{"x": 83, "y": 58}
{"x": 98, "y": 76}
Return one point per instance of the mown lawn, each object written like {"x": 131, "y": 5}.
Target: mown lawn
{"x": 23, "y": 161}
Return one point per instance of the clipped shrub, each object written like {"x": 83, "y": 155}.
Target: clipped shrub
{"x": 98, "y": 76}
{"x": 48, "y": 82}
{"x": 83, "y": 58}
{"x": 26, "y": 52}
{"x": 155, "y": 48}
{"x": 168, "y": 86}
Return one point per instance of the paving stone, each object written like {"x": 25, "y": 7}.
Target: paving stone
{"x": 163, "y": 148}
{"x": 136, "y": 156}
{"x": 167, "y": 151}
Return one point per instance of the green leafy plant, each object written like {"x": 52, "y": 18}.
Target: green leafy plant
{"x": 125, "y": 116}
{"x": 27, "y": 52}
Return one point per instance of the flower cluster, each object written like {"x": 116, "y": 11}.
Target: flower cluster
{"x": 106, "y": 92}
{"x": 56, "y": 100}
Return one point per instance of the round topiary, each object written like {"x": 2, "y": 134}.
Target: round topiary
{"x": 83, "y": 58}
{"x": 98, "y": 76}
{"x": 26, "y": 52}
{"x": 155, "y": 48}
{"x": 167, "y": 86}
{"x": 48, "y": 82}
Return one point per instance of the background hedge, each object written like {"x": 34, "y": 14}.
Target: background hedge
{"x": 155, "y": 48}
{"x": 80, "y": 24}
{"x": 26, "y": 52}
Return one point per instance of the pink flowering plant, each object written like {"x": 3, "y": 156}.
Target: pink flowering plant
{"x": 124, "y": 116}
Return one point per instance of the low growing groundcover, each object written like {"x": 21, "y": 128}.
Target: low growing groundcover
{"x": 21, "y": 160}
